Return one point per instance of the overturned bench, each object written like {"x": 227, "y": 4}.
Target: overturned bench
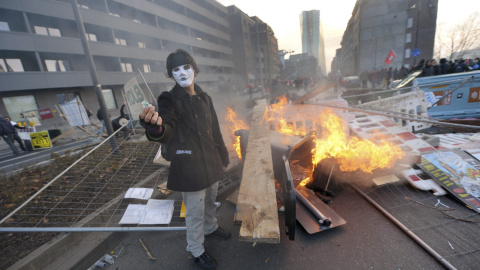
{"x": 257, "y": 204}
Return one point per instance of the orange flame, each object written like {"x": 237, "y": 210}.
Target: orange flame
{"x": 352, "y": 154}
{"x": 235, "y": 124}
{"x": 275, "y": 115}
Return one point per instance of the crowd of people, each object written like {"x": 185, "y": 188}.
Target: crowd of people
{"x": 382, "y": 78}
{"x": 431, "y": 67}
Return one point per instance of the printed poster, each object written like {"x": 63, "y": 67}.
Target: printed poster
{"x": 75, "y": 113}
{"x": 457, "y": 172}
{"x": 134, "y": 96}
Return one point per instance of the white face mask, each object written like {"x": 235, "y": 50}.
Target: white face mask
{"x": 184, "y": 75}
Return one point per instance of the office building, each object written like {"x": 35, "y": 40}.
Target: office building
{"x": 256, "y": 58}
{"x": 312, "y": 37}
{"x": 377, "y": 27}
{"x": 44, "y": 64}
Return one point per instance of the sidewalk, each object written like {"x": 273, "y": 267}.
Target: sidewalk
{"x": 367, "y": 241}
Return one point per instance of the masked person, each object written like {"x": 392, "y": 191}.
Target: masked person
{"x": 187, "y": 122}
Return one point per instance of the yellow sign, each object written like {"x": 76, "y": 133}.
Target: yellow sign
{"x": 41, "y": 139}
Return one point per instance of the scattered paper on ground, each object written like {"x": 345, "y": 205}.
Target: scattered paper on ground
{"x": 139, "y": 193}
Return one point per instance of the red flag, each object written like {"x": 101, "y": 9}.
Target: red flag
{"x": 390, "y": 57}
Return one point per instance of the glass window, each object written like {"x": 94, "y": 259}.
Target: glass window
{"x": 3, "y": 66}
{"x": 14, "y": 65}
{"x": 409, "y": 38}
{"x": 409, "y": 22}
{"x": 120, "y": 41}
{"x": 141, "y": 44}
{"x": 40, "y": 30}
{"x": 16, "y": 105}
{"x": 57, "y": 65}
{"x": 64, "y": 65}
{"x": 54, "y": 32}
{"x": 92, "y": 37}
{"x": 146, "y": 68}
{"x": 127, "y": 67}
{"x": 51, "y": 65}
{"x": 407, "y": 53}
{"x": 66, "y": 97}
{"x": 4, "y": 26}
{"x": 109, "y": 99}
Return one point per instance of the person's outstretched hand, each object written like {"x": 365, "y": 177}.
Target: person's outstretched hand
{"x": 150, "y": 120}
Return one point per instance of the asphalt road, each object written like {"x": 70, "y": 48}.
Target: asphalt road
{"x": 367, "y": 241}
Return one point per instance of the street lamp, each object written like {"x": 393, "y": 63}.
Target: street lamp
{"x": 282, "y": 55}
{"x": 374, "y": 38}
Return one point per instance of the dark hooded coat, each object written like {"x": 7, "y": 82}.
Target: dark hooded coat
{"x": 198, "y": 161}
{"x": 6, "y": 127}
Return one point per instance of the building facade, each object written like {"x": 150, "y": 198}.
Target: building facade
{"x": 245, "y": 51}
{"x": 301, "y": 66}
{"x": 312, "y": 37}
{"x": 378, "y": 27}
{"x": 266, "y": 56}
{"x": 256, "y": 58}
{"x": 44, "y": 64}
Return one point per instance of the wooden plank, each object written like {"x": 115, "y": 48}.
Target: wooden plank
{"x": 63, "y": 135}
{"x": 257, "y": 203}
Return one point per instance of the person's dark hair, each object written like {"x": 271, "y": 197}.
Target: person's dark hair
{"x": 178, "y": 58}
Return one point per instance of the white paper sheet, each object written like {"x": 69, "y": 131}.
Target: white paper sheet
{"x": 158, "y": 212}
{"x": 133, "y": 214}
{"x": 139, "y": 193}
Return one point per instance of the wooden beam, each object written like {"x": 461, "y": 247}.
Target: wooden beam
{"x": 257, "y": 203}
{"x": 63, "y": 135}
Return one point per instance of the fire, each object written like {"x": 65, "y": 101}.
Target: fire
{"x": 276, "y": 111}
{"x": 235, "y": 124}
{"x": 352, "y": 154}
{"x": 305, "y": 181}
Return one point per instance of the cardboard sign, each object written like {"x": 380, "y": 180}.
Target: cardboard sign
{"x": 45, "y": 114}
{"x": 134, "y": 96}
{"x": 40, "y": 139}
{"x": 457, "y": 172}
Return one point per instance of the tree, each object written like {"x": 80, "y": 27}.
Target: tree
{"x": 455, "y": 42}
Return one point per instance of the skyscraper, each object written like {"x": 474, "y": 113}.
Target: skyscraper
{"x": 312, "y": 37}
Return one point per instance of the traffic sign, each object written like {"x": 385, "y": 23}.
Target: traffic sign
{"x": 41, "y": 139}
{"x": 416, "y": 52}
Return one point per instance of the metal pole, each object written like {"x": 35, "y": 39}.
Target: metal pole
{"x": 128, "y": 110}
{"x": 93, "y": 72}
{"x": 395, "y": 115}
{"x": 406, "y": 230}
{"x": 153, "y": 97}
{"x": 90, "y": 229}
{"x": 418, "y": 25}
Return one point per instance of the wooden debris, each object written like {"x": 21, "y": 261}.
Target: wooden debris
{"x": 257, "y": 205}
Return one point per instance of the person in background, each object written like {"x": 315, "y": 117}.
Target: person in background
{"x": 116, "y": 122}
{"x": 15, "y": 135}
{"x": 427, "y": 69}
{"x": 7, "y": 132}
{"x": 186, "y": 120}
{"x": 277, "y": 90}
{"x": 100, "y": 117}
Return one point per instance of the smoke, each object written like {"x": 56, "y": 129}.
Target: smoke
{"x": 221, "y": 101}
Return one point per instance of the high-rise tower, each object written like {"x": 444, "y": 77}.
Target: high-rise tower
{"x": 312, "y": 37}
